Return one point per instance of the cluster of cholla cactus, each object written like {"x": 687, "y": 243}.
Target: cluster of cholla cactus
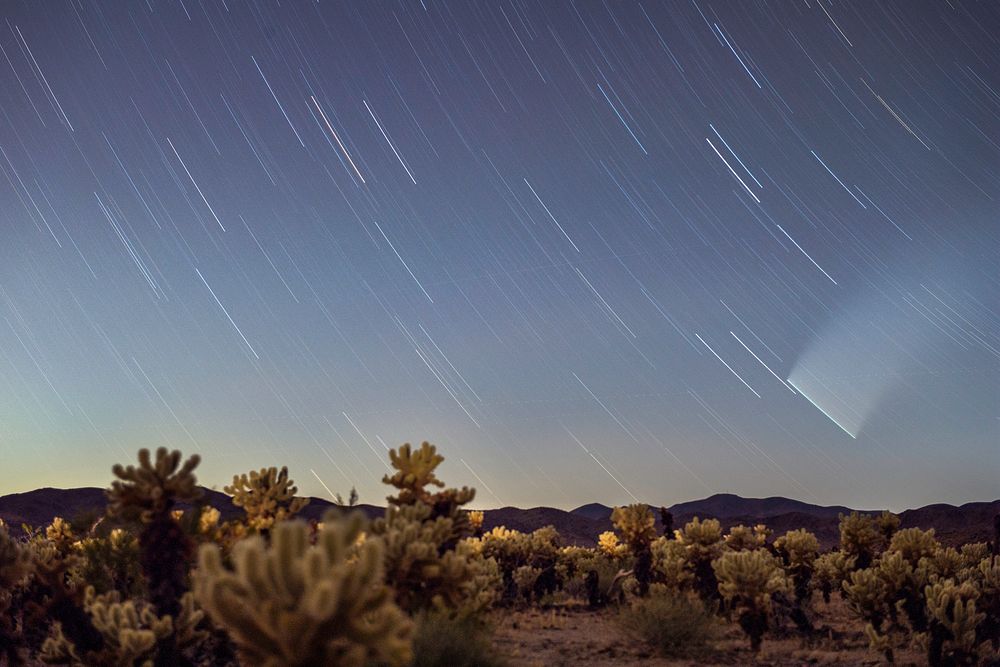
{"x": 915, "y": 592}
{"x": 530, "y": 564}
{"x": 269, "y": 589}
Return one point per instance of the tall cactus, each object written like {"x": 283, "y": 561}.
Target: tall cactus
{"x": 638, "y": 529}
{"x": 702, "y": 541}
{"x": 798, "y": 549}
{"x": 289, "y": 604}
{"x": 953, "y": 624}
{"x": 151, "y": 491}
{"x": 747, "y": 581}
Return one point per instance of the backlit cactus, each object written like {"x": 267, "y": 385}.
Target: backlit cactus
{"x": 798, "y": 550}
{"x": 747, "y": 581}
{"x": 612, "y": 547}
{"x": 860, "y": 538}
{"x": 292, "y": 604}
{"x": 954, "y": 621}
{"x": 131, "y": 632}
{"x": 151, "y": 491}
{"x": 638, "y": 529}
{"x": 266, "y": 496}
{"x": 744, "y": 538}
{"x": 913, "y": 544}
{"x": 702, "y": 541}
{"x": 423, "y": 532}
{"x": 830, "y": 571}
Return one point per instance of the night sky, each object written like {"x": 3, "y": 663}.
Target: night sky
{"x": 597, "y": 251}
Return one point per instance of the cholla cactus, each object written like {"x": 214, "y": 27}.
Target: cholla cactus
{"x": 476, "y": 518}
{"x": 987, "y": 580}
{"x": 15, "y": 567}
{"x": 636, "y": 525}
{"x": 415, "y": 470}
{"x": 954, "y": 620}
{"x": 744, "y": 538}
{"x": 945, "y": 563}
{"x": 609, "y": 545}
{"x": 747, "y": 580}
{"x": 423, "y": 531}
{"x": 865, "y": 592}
{"x": 511, "y": 549}
{"x": 702, "y": 541}
{"x": 424, "y": 575}
{"x": 267, "y": 496}
{"x": 974, "y": 553}
{"x": 887, "y": 524}
{"x": 670, "y": 565}
{"x": 60, "y": 533}
{"x": 638, "y": 528}
{"x": 913, "y": 544}
{"x": 130, "y": 632}
{"x": 152, "y": 488}
{"x": 798, "y": 550}
{"x": 830, "y": 571}
{"x": 859, "y": 538}
{"x": 295, "y": 605}
{"x": 208, "y": 521}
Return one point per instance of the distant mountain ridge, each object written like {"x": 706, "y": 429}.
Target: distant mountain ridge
{"x": 971, "y": 522}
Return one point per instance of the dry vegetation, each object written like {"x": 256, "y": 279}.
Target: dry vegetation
{"x": 424, "y": 585}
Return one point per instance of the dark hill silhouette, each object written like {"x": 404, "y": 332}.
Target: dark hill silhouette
{"x": 971, "y": 522}
{"x": 593, "y": 511}
{"x": 727, "y": 505}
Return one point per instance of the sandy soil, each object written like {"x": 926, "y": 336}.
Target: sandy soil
{"x": 570, "y": 634}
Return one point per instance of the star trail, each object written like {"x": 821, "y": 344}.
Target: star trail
{"x": 595, "y": 251}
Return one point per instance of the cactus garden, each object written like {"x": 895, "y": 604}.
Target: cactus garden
{"x": 160, "y": 580}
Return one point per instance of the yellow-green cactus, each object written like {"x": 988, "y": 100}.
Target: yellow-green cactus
{"x": 415, "y": 470}
{"x": 609, "y": 545}
{"x": 638, "y": 529}
{"x": 913, "y": 544}
{"x": 289, "y": 604}
{"x": 747, "y": 580}
{"x": 887, "y": 524}
{"x": 798, "y": 550}
{"x": 636, "y": 525}
{"x": 267, "y": 496}
{"x": 670, "y": 565}
{"x": 15, "y": 562}
{"x": 798, "y": 547}
{"x": 954, "y": 620}
{"x": 744, "y": 538}
{"x": 830, "y": 571}
{"x": 865, "y": 591}
{"x": 702, "y": 541}
{"x": 423, "y": 574}
{"x": 130, "y": 632}
{"x": 859, "y": 538}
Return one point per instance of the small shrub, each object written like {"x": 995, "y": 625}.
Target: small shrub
{"x": 676, "y": 626}
{"x": 447, "y": 640}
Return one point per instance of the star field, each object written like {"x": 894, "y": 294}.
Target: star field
{"x": 595, "y": 251}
